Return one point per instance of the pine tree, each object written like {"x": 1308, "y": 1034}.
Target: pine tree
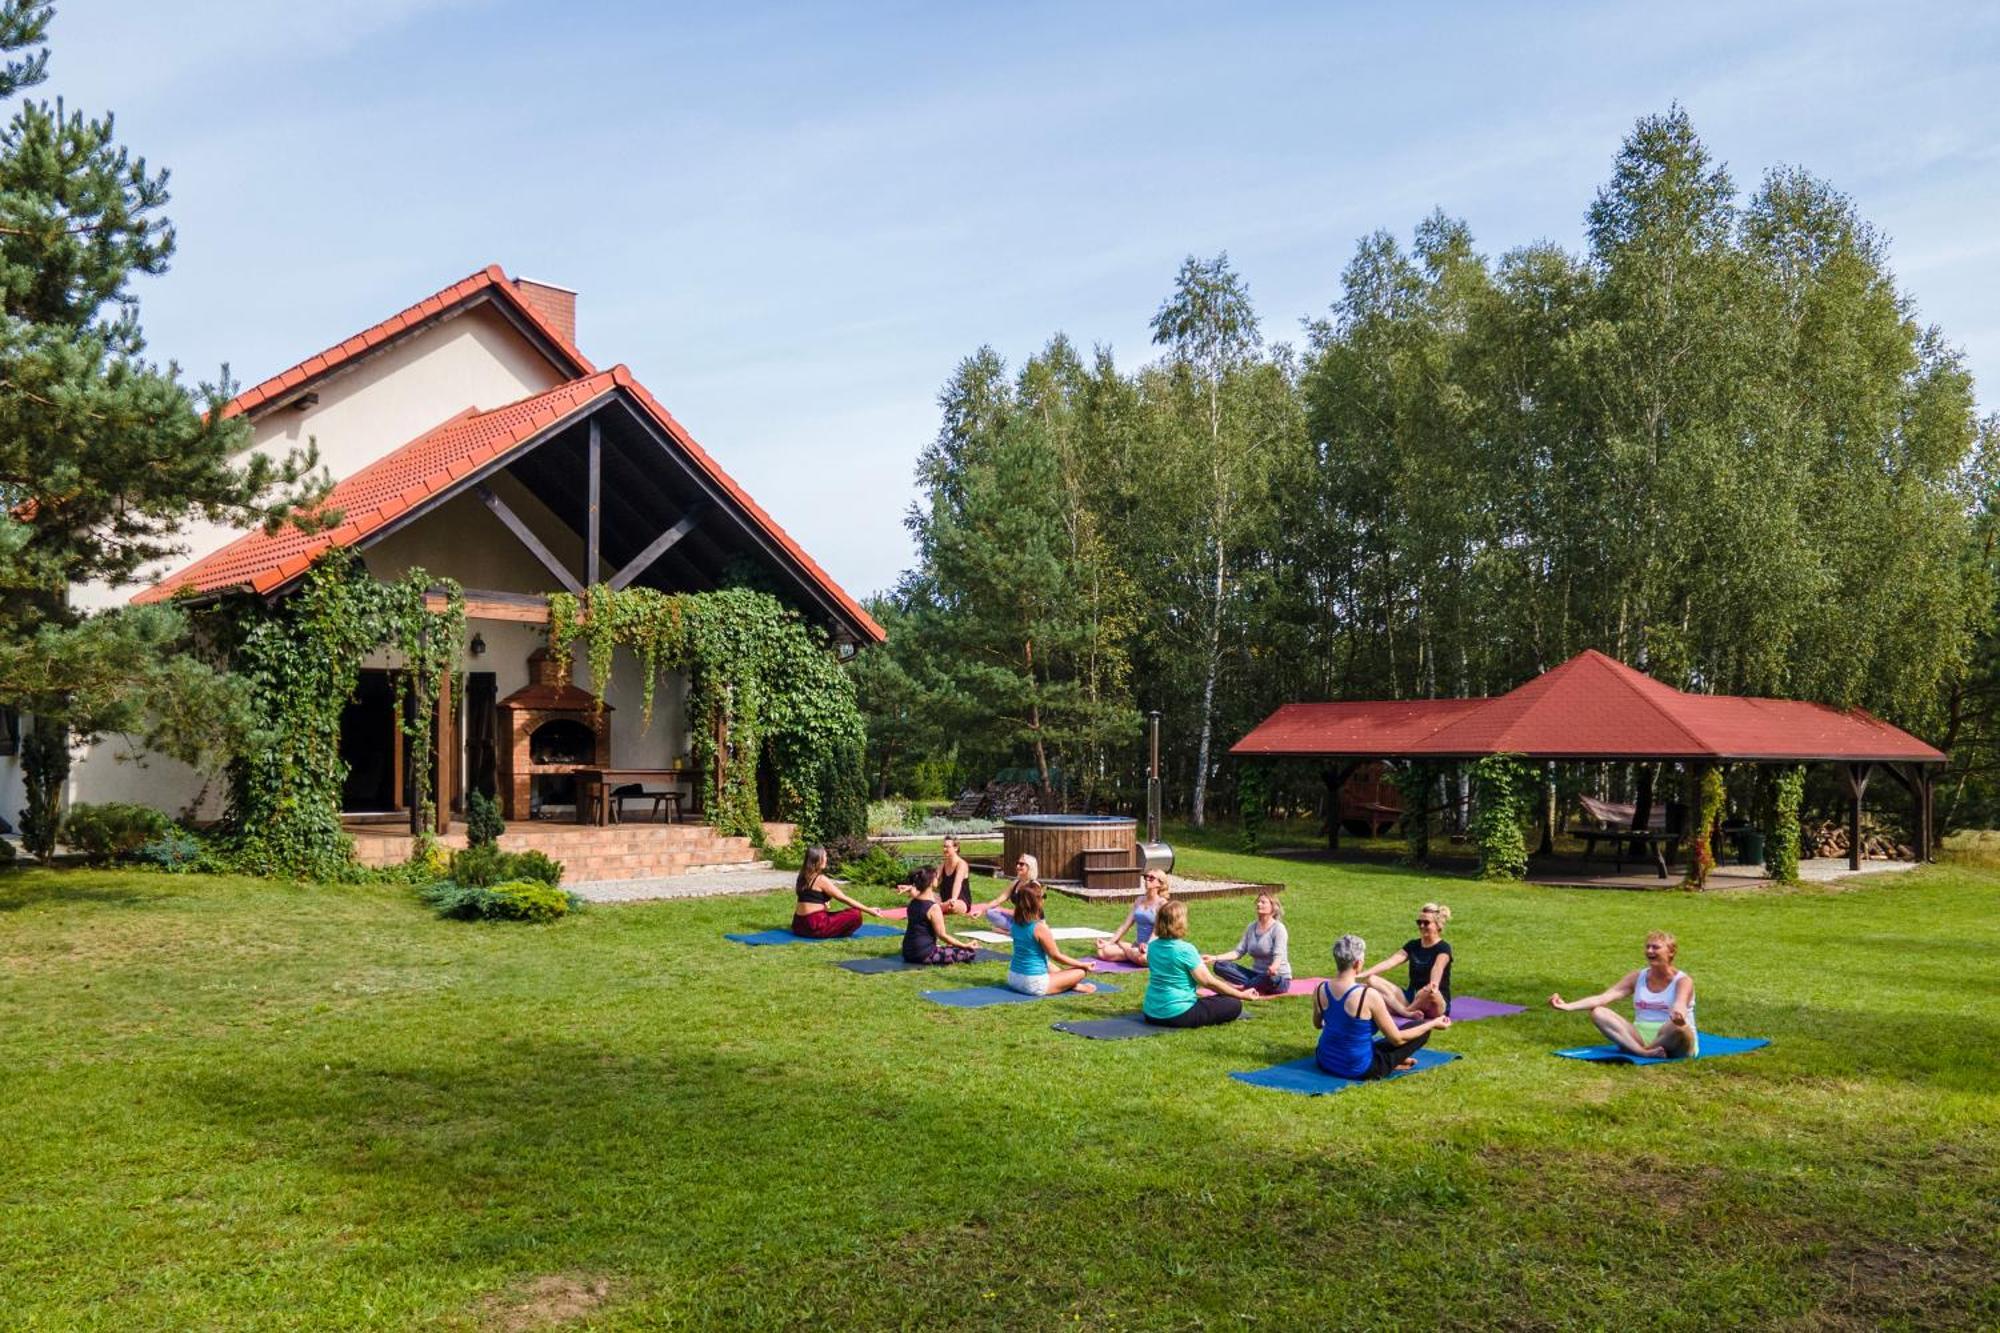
{"x": 103, "y": 454}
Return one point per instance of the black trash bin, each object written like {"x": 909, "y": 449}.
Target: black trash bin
{"x": 1750, "y": 847}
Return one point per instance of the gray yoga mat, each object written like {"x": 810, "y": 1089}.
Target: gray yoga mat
{"x": 894, "y": 963}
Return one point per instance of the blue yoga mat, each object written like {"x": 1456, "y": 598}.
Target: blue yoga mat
{"x": 1306, "y": 1077}
{"x": 867, "y": 932}
{"x": 978, "y": 997}
{"x": 894, "y": 963}
{"x": 1711, "y": 1046}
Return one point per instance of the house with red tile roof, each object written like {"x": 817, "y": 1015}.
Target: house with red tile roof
{"x": 469, "y": 436}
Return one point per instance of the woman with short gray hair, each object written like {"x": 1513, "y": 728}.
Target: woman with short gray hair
{"x": 1358, "y": 1035}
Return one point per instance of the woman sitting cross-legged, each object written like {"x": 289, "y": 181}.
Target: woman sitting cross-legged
{"x": 1429, "y": 957}
{"x": 1358, "y": 1037}
{"x": 1027, "y": 870}
{"x": 810, "y": 916}
{"x": 1174, "y": 970}
{"x": 1662, "y": 1026}
{"x": 1266, "y": 945}
{"x": 1139, "y": 921}
{"x": 1035, "y": 948}
{"x": 925, "y": 939}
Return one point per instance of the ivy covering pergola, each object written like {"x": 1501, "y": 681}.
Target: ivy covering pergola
{"x": 1593, "y": 709}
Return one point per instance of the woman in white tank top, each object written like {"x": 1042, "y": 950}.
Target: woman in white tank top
{"x": 1662, "y": 1023}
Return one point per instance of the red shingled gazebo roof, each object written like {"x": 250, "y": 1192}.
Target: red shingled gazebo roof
{"x": 1589, "y": 708}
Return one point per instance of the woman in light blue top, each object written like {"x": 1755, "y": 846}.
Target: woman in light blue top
{"x": 1035, "y": 947}
{"x": 1140, "y": 921}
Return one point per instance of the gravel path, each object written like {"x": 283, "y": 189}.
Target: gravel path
{"x": 706, "y": 884}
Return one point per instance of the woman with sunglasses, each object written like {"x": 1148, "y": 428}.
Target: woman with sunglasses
{"x": 1429, "y": 993}
{"x": 1140, "y": 921}
{"x": 1027, "y": 870}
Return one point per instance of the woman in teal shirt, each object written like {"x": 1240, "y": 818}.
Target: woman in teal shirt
{"x": 1174, "y": 971}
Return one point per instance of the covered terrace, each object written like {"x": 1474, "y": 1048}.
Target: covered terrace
{"x": 1595, "y": 710}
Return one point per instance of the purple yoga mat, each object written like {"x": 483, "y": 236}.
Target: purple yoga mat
{"x": 1470, "y": 1009}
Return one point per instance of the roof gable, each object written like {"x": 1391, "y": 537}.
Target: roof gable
{"x": 443, "y": 461}
{"x": 489, "y": 284}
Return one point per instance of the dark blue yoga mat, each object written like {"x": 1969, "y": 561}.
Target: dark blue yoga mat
{"x": 1711, "y": 1046}
{"x": 1306, "y": 1077}
{"x": 978, "y": 997}
{"x": 895, "y": 963}
{"x": 867, "y": 932}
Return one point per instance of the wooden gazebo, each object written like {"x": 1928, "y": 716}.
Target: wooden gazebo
{"x": 1593, "y": 709}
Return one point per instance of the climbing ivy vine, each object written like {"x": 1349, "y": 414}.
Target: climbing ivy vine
{"x": 1710, "y": 798}
{"x": 1505, "y": 789}
{"x": 758, "y": 677}
{"x": 1253, "y": 802}
{"x": 1781, "y": 844}
{"x": 302, "y": 659}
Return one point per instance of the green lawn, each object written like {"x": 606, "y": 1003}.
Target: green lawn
{"x": 230, "y": 1104}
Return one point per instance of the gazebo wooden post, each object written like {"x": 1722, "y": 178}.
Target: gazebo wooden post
{"x": 1927, "y": 824}
{"x": 1857, "y": 786}
{"x": 1335, "y": 779}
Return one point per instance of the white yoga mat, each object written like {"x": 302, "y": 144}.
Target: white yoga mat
{"x": 1060, "y": 932}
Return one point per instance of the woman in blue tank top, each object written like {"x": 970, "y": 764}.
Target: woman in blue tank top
{"x": 1351, "y": 1017}
{"x": 1141, "y": 921}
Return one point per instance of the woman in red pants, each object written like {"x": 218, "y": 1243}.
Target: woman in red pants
{"x": 812, "y": 917}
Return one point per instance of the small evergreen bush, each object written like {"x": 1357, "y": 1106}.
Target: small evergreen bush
{"x": 483, "y": 824}
{"x": 515, "y": 900}
{"x": 486, "y": 865}
{"x": 112, "y": 829}
{"x": 177, "y": 852}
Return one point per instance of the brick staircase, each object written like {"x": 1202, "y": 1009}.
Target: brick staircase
{"x": 591, "y": 854}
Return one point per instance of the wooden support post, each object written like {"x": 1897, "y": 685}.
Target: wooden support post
{"x": 1921, "y": 832}
{"x": 1857, "y": 785}
{"x": 528, "y": 538}
{"x": 659, "y": 546}
{"x": 396, "y": 759}
{"x": 444, "y": 771}
{"x": 594, "y": 545}
{"x": 1335, "y": 779}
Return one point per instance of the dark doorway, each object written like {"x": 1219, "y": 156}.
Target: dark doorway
{"x": 482, "y": 733}
{"x": 369, "y": 739}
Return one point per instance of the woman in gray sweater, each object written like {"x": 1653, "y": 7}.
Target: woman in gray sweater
{"x": 1265, "y": 946}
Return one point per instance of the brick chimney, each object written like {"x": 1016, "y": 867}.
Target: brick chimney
{"x": 555, "y": 304}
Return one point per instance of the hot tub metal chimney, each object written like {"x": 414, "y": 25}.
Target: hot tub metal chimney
{"x": 1153, "y": 779}
{"x": 1154, "y": 854}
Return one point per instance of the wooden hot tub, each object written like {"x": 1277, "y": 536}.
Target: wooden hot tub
{"x": 1058, "y": 842}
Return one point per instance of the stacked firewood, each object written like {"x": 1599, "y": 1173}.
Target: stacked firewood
{"x": 997, "y": 800}
{"x": 1829, "y": 838}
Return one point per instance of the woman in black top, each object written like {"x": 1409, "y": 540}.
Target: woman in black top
{"x": 1429, "y": 993}
{"x": 925, "y": 938}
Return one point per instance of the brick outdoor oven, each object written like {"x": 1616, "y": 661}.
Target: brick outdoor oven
{"x": 553, "y": 729}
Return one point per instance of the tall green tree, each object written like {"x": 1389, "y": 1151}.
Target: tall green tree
{"x": 103, "y": 453}
{"x": 1211, "y": 452}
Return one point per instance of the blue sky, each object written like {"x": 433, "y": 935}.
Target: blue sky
{"x": 793, "y": 221}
